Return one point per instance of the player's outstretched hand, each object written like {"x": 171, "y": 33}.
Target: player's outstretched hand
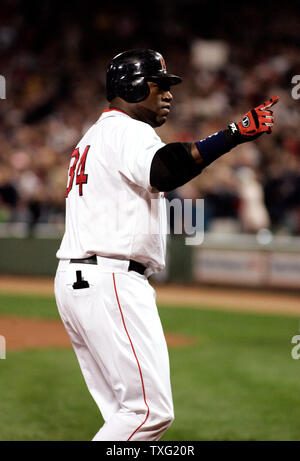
{"x": 256, "y": 122}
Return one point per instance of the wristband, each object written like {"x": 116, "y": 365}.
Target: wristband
{"x": 215, "y": 145}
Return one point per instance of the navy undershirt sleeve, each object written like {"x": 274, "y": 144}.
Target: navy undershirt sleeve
{"x": 173, "y": 165}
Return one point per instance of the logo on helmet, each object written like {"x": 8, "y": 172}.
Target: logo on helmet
{"x": 246, "y": 122}
{"x": 163, "y": 64}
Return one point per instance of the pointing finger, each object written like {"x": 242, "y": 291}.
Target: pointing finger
{"x": 271, "y": 102}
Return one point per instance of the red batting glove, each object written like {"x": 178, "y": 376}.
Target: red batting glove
{"x": 256, "y": 122}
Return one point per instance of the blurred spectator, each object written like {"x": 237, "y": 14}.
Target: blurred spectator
{"x": 252, "y": 210}
{"x": 55, "y": 75}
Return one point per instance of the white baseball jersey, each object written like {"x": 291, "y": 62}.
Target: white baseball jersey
{"x": 109, "y": 310}
{"x": 111, "y": 210}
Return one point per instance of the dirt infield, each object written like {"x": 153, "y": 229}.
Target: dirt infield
{"x": 174, "y": 295}
{"x": 23, "y": 333}
{"x": 231, "y": 299}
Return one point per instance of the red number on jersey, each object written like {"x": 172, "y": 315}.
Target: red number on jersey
{"x": 81, "y": 177}
{"x": 75, "y": 155}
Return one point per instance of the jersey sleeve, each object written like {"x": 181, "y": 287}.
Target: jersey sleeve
{"x": 138, "y": 145}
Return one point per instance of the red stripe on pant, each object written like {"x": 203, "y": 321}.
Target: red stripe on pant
{"x": 137, "y": 361}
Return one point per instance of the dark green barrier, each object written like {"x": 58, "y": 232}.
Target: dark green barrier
{"x": 179, "y": 259}
{"x": 28, "y": 256}
{"x": 36, "y": 256}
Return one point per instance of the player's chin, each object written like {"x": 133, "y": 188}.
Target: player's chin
{"x": 160, "y": 120}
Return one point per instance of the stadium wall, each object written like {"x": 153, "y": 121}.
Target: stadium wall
{"x": 234, "y": 260}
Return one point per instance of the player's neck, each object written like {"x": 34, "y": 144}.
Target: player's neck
{"x": 134, "y": 110}
{"x": 119, "y": 104}
{"x": 123, "y": 106}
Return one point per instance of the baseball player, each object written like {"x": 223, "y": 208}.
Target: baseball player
{"x": 117, "y": 177}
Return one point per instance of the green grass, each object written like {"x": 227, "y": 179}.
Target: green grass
{"x": 238, "y": 382}
{"x": 28, "y": 306}
{"x": 44, "y": 397}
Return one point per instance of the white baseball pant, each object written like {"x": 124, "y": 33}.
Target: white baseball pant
{"x": 118, "y": 338}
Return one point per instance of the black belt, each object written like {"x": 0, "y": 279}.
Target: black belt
{"x": 133, "y": 265}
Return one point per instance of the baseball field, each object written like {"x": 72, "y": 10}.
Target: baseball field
{"x": 233, "y": 376}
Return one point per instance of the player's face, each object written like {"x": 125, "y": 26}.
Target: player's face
{"x": 155, "y": 109}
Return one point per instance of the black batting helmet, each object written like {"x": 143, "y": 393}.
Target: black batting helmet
{"x": 128, "y": 73}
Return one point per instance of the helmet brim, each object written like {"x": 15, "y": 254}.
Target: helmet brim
{"x": 170, "y": 78}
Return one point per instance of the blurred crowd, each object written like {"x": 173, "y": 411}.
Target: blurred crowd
{"x": 55, "y": 89}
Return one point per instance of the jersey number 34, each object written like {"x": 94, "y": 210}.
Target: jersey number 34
{"x": 81, "y": 176}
